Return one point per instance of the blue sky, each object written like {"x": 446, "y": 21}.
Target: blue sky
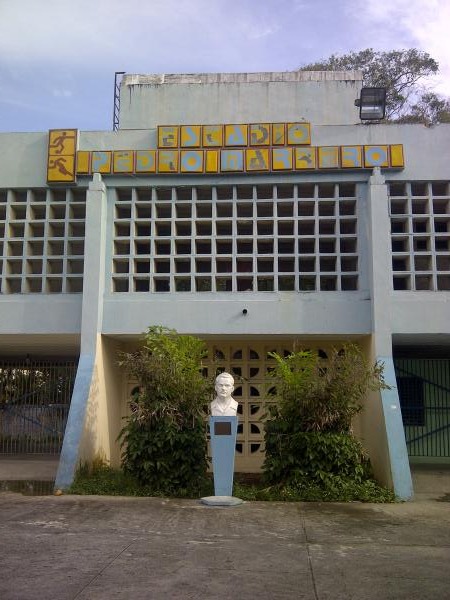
{"x": 58, "y": 57}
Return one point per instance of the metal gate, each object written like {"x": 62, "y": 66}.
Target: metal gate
{"x": 424, "y": 392}
{"x": 34, "y": 404}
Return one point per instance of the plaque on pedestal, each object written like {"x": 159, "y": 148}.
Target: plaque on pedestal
{"x": 223, "y": 432}
{"x": 223, "y": 444}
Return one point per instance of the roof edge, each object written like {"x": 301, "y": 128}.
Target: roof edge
{"x": 258, "y": 77}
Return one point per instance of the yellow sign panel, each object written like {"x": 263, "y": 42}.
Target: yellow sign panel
{"x": 278, "y": 134}
{"x": 236, "y": 135}
{"x": 83, "y": 162}
{"x": 351, "y": 157}
{"x": 167, "y": 136}
{"x": 190, "y": 136}
{"x": 238, "y": 160}
{"x": 305, "y": 158}
{"x": 282, "y": 159}
{"x": 212, "y": 161}
{"x": 376, "y": 156}
{"x": 145, "y": 161}
{"x": 257, "y": 159}
{"x": 298, "y": 134}
{"x": 229, "y": 148}
{"x": 123, "y": 161}
{"x": 212, "y": 136}
{"x": 101, "y": 161}
{"x": 328, "y": 157}
{"x": 397, "y": 159}
{"x": 62, "y": 142}
{"x": 260, "y": 134}
{"x": 191, "y": 161}
{"x": 231, "y": 161}
{"x": 62, "y": 147}
{"x": 168, "y": 161}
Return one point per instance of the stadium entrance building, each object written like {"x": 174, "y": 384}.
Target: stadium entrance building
{"x": 252, "y": 210}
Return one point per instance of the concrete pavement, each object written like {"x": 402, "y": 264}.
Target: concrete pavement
{"x": 28, "y": 467}
{"x": 105, "y": 548}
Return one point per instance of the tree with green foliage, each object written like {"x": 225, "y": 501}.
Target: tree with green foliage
{"x": 428, "y": 109}
{"x": 402, "y": 73}
{"x": 308, "y": 431}
{"x": 164, "y": 439}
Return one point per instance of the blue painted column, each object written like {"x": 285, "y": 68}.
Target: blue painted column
{"x": 75, "y": 423}
{"x": 91, "y": 323}
{"x": 223, "y": 432}
{"x": 391, "y": 463}
{"x": 401, "y": 472}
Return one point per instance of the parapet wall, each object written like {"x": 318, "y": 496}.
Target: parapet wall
{"x": 319, "y": 97}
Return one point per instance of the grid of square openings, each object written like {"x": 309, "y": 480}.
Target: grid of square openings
{"x": 420, "y": 235}
{"x": 42, "y": 241}
{"x": 236, "y": 239}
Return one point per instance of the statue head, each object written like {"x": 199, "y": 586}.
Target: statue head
{"x": 224, "y": 385}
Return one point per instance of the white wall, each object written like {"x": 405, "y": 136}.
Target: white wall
{"x": 278, "y": 314}
{"x": 319, "y": 97}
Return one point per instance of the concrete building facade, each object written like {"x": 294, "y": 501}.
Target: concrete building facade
{"x": 252, "y": 210}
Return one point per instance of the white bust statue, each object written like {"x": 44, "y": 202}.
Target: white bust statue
{"x": 223, "y": 404}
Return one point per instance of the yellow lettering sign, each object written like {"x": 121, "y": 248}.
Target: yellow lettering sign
{"x": 230, "y": 148}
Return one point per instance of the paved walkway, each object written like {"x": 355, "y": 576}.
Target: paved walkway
{"x": 31, "y": 467}
{"x": 106, "y": 548}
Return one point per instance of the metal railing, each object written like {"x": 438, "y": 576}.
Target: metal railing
{"x": 116, "y": 106}
{"x": 34, "y": 405}
{"x": 424, "y": 391}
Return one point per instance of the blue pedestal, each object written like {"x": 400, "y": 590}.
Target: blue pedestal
{"x": 223, "y": 432}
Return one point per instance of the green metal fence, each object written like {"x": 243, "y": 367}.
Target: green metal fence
{"x": 424, "y": 391}
{"x": 34, "y": 405}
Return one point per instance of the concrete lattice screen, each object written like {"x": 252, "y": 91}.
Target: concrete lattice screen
{"x": 236, "y": 238}
{"x": 42, "y": 240}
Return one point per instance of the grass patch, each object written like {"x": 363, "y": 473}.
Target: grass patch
{"x": 339, "y": 490}
{"x": 102, "y": 480}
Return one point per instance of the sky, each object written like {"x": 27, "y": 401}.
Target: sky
{"x": 58, "y": 57}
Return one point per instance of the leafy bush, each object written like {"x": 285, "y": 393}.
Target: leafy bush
{"x": 314, "y": 456}
{"x": 309, "y": 444}
{"x": 164, "y": 439}
{"x": 318, "y": 395}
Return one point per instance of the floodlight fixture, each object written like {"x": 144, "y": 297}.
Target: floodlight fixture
{"x": 372, "y": 103}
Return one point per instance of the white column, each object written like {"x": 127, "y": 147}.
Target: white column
{"x": 91, "y": 324}
{"x": 394, "y": 457}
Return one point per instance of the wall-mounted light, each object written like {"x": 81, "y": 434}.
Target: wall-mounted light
{"x": 372, "y": 103}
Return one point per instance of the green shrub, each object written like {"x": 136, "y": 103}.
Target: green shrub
{"x": 164, "y": 439}
{"x": 318, "y": 395}
{"x": 164, "y": 456}
{"x": 312, "y": 456}
{"x": 310, "y": 449}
